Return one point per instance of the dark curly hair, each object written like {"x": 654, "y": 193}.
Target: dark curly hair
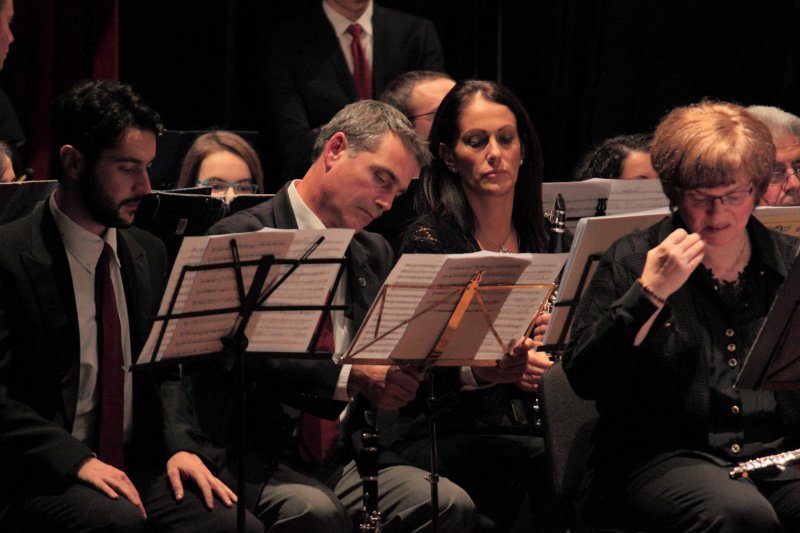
{"x": 605, "y": 159}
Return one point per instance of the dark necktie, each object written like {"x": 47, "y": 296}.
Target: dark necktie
{"x": 318, "y": 436}
{"x": 109, "y": 355}
{"x": 361, "y": 72}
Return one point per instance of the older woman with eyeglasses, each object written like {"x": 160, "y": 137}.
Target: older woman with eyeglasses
{"x": 662, "y": 331}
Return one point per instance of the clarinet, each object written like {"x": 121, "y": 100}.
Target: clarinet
{"x": 370, "y": 516}
{"x": 779, "y": 461}
{"x": 556, "y": 245}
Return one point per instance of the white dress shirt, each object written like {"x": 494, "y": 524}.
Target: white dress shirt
{"x": 83, "y": 251}
{"x": 340, "y": 24}
{"x": 342, "y": 326}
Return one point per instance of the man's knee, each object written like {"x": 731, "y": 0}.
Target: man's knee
{"x": 455, "y": 505}
{"x": 307, "y": 509}
{"x": 97, "y": 513}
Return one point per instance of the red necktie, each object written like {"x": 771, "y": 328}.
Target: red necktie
{"x": 109, "y": 354}
{"x": 361, "y": 72}
{"x": 318, "y": 436}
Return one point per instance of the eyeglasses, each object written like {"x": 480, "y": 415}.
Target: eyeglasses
{"x": 218, "y": 185}
{"x": 424, "y": 114}
{"x": 706, "y": 201}
{"x": 781, "y": 176}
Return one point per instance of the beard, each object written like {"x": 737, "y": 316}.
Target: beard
{"x": 99, "y": 205}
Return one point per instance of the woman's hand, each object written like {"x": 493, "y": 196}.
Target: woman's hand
{"x": 670, "y": 264}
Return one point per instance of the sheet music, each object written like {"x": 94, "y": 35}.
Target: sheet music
{"x": 216, "y": 289}
{"x": 611, "y": 197}
{"x": 593, "y": 236}
{"x": 783, "y": 219}
{"x": 431, "y": 285}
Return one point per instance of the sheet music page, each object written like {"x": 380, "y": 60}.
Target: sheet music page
{"x": 783, "y": 219}
{"x": 593, "y": 236}
{"x": 629, "y": 196}
{"x": 408, "y": 293}
{"x": 291, "y": 331}
{"x": 582, "y": 198}
{"x": 215, "y": 290}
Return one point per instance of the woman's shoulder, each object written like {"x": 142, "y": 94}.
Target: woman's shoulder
{"x": 433, "y": 233}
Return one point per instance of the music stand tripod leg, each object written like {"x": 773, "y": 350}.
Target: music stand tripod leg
{"x": 433, "y": 476}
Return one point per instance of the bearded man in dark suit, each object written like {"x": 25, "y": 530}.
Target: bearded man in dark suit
{"x": 83, "y": 444}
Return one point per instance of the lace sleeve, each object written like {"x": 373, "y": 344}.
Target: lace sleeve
{"x": 422, "y": 239}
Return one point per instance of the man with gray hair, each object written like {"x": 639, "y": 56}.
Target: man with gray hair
{"x": 784, "y": 186}
{"x": 364, "y": 158}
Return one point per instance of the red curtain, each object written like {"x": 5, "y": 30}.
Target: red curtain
{"x": 57, "y": 43}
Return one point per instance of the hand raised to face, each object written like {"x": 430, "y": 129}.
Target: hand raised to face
{"x": 670, "y": 264}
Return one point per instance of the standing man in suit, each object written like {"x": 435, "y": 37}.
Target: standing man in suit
{"x": 365, "y": 157}
{"x": 83, "y": 444}
{"x": 313, "y": 68}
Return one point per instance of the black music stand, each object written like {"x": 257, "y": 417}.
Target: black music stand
{"x": 773, "y": 362}
{"x": 236, "y": 342}
{"x": 435, "y": 406}
{"x": 17, "y": 199}
{"x": 572, "y": 304}
{"x": 171, "y": 216}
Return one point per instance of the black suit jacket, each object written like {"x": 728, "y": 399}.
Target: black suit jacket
{"x": 307, "y": 81}
{"x": 307, "y": 385}
{"x": 40, "y": 355}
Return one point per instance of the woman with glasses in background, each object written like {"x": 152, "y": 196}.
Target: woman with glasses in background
{"x": 661, "y": 334}
{"x": 223, "y": 161}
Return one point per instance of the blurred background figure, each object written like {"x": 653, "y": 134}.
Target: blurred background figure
{"x": 417, "y": 94}
{"x": 338, "y": 52}
{"x": 625, "y": 157}
{"x": 6, "y": 164}
{"x": 784, "y": 187}
{"x": 223, "y": 161}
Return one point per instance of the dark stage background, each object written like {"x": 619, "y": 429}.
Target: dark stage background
{"x": 586, "y": 70}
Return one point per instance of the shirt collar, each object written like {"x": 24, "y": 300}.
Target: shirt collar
{"x": 305, "y": 217}
{"x": 340, "y": 23}
{"x": 80, "y": 243}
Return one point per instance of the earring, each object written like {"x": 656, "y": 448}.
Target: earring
{"x": 521, "y": 161}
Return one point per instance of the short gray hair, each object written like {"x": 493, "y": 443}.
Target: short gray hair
{"x": 777, "y": 120}
{"x": 364, "y": 123}
{"x": 398, "y": 92}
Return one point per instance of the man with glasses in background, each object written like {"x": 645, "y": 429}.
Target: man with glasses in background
{"x": 784, "y": 185}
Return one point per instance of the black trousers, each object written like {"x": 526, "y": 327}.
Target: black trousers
{"x": 77, "y": 507}
{"x": 692, "y": 493}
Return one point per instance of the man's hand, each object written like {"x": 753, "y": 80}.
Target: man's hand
{"x": 109, "y": 480}
{"x": 388, "y": 387}
{"x": 188, "y": 466}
